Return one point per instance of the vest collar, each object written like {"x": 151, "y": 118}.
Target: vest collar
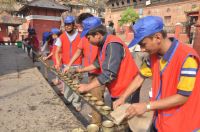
{"x": 103, "y": 41}
{"x": 171, "y": 50}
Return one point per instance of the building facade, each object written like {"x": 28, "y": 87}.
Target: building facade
{"x": 9, "y": 26}
{"x": 173, "y": 12}
{"x": 42, "y": 15}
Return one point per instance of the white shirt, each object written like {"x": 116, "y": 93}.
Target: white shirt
{"x": 45, "y": 49}
{"x": 70, "y": 37}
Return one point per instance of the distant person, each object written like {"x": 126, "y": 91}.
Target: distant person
{"x": 46, "y": 43}
{"x": 63, "y": 16}
{"x": 110, "y": 28}
{"x": 34, "y": 43}
{"x": 55, "y": 33}
{"x": 67, "y": 44}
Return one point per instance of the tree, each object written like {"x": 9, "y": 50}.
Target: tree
{"x": 128, "y": 16}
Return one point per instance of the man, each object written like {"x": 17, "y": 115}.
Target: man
{"x": 89, "y": 53}
{"x": 110, "y": 28}
{"x": 114, "y": 59}
{"x": 55, "y": 33}
{"x": 34, "y": 43}
{"x": 67, "y": 44}
{"x": 63, "y": 16}
{"x": 175, "y": 73}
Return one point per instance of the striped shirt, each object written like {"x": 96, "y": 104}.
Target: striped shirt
{"x": 187, "y": 75}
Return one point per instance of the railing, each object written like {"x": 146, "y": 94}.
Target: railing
{"x": 8, "y": 43}
{"x": 143, "y": 4}
{"x": 155, "y": 2}
{"x": 171, "y": 29}
{"x": 68, "y": 80}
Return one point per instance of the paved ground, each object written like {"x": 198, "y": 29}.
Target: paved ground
{"x": 27, "y": 102}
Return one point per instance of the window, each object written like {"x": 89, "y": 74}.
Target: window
{"x": 122, "y": 2}
{"x": 113, "y": 5}
{"x": 128, "y": 1}
{"x": 167, "y": 19}
{"x": 117, "y": 3}
{"x": 168, "y": 9}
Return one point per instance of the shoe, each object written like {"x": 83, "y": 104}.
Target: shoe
{"x": 60, "y": 94}
{"x": 52, "y": 84}
{"x": 90, "y": 115}
{"x": 78, "y": 109}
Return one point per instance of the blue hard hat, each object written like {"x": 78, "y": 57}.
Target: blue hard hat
{"x": 90, "y": 23}
{"x": 55, "y": 31}
{"x": 31, "y": 31}
{"x": 69, "y": 19}
{"x": 146, "y": 26}
{"x": 45, "y": 36}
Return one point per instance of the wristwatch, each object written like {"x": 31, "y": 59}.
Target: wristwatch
{"x": 148, "y": 106}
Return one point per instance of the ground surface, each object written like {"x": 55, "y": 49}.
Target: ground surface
{"x": 27, "y": 102}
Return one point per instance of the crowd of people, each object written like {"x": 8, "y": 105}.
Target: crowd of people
{"x": 173, "y": 67}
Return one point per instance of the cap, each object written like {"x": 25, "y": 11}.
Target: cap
{"x": 90, "y": 23}
{"x": 69, "y": 19}
{"x": 45, "y": 36}
{"x": 55, "y": 31}
{"x": 146, "y": 26}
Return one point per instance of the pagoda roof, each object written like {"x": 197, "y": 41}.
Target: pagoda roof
{"x": 195, "y": 9}
{"x": 6, "y": 18}
{"x": 45, "y": 4}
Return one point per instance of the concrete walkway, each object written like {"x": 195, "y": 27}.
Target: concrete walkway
{"x": 27, "y": 102}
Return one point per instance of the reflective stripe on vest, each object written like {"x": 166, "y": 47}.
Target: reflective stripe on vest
{"x": 185, "y": 118}
{"x": 69, "y": 48}
{"x": 127, "y": 69}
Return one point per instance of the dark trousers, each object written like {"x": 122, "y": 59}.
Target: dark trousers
{"x": 153, "y": 129}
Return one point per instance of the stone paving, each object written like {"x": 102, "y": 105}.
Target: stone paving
{"x": 30, "y": 104}
{"x": 27, "y": 102}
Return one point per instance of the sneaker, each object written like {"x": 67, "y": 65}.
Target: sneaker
{"x": 90, "y": 115}
{"x": 78, "y": 108}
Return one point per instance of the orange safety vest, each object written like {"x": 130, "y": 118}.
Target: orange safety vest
{"x": 90, "y": 53}
{"x": 127, "y": 69}
{"x": 68, "y": 49}
{"x": 53, "y": 56}
{"x": 185, "y": 118}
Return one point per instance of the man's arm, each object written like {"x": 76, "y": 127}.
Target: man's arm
{"x": 47, "y": 57}
{"x": 110, "y": 67}
{"x": 135, "y": 84}
{"x": 58, "y": 50}
{"x": 75, "y": 56}
{"x": 78, "y": 52}
{"x": 172, "y": 101}
{"x": 87, "y": 87}
{"x": 87, "y": 68}
{"x": 169, "y": 102}
{"x": 184, "y": 89}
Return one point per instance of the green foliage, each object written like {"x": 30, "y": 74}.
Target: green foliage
{"x": 128, "y": 16}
